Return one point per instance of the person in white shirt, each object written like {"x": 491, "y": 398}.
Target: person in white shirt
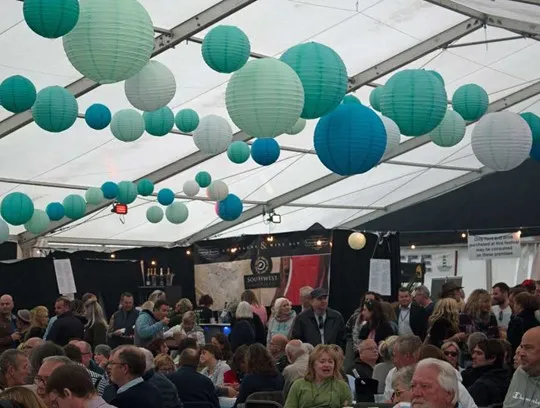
{"x": 501, "y": 304}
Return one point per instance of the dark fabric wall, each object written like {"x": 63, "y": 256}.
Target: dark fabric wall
{"x": 8, "y": 251}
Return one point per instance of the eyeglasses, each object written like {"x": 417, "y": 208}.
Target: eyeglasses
{"x": 111, "y": 363}
{"x": 397, "y": 393}
{"x": 450, "y": 354}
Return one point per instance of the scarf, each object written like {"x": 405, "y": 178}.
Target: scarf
{"x": 281, "y": 318}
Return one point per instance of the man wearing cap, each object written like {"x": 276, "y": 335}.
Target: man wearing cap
{"x": 23, "y": 322}
{"x": 319, "y": 324}
{"x": 451, "y": 290}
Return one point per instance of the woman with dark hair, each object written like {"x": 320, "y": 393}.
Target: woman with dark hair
{"x": 525, "y": 306}
{"x": 236, "y": 374}
{"x": 214, "y": 366}
{"x": 221, "y": 341}
{"x": 376, "y": 326}
{"x": 262, "y": 374}
{"x": 158, "y": 346}
{"x": 260, "y": 310}
{"x": 203, "y": 312}
{"x": 355, "y": 321}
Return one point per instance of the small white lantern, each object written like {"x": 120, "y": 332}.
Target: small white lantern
{"x": 213, "y": 135}
{"x": 357, "y": 240}
{"x": 151, "y": 88}
{"x": 393, "y": 135}
{"x": 217, "y": 190}
{"x": 191, "y": 188}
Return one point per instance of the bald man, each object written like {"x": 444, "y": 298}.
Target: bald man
{"x": 298, "y": 356}
{"x": 277, "y": 349}
{"x": 9, "y": 336}
{"x": 31, "y": 344}
{"x": 524, "y": 388}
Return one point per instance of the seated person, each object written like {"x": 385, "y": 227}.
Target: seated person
{"x": 368, "y": 354}
{"x": 214, "y": 367}
{"x": 401, "y": 384}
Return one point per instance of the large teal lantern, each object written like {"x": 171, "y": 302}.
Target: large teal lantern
{"x": 74, "y": 206}
{"x": 450, "y": 131}
{"x": 127, "y": 192}
{"x": 203, "y": 179}
{"x": 17, "y": 208}
{"x": 51, "y": 18}
{"x": 186, "y": 120}
{"x": 416, "y": 100}
{"x": 470, "y": 101}
{"x": 127, "y": 125}
{"x": 159, "y": 122}
{"x": 112, "y": 41}
{"x": 265, "y": 98}
{"x": 145, "y": 187}
{"x": 534, "y": 123}
{"x": 225, "y": 48}
{"x": 56, "y": 109}
{"x": 375, "y": 98}
{"x": 17, "y": 93}
{"x": 323, "y": 75}
{"x": 238, "y": 152}
{"x": 38, "y": 223}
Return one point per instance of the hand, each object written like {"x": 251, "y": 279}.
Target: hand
{"x": 16, "y": 336}
{"x": 231, "y": 392}
{"x": 236, "y": 386}
{"x": 165, "y": 321}
{"x": 118, "y": 332}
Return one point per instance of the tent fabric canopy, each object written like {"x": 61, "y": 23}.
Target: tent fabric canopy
{"x": 491, "y": 43}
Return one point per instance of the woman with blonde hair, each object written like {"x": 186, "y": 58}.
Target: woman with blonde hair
{"x": 157, "y": 295}
{"x": 95, "y": 330}
{"x": 39, "y": 318}
{"x": 443, "y": 324}
{"x": 478, "y": 317}
{"x": 23, "y": 396}
{"x": 281, "y": 319}
{"x": 323, "y": 385}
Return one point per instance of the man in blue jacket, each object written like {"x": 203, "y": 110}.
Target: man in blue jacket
{"x": 151, "y": 325}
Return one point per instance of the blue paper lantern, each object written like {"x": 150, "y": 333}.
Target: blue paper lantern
{"x": 165, "y": 196}
{"x": 110, "y": 190}
{"x": 265, "y": 151}
{"x": 350, "y": 140}
{"x": 230, "y": 208}
{"x": 74, "y": 206}
{"x": 55, "y": 211}
{"x": 17, "y": 208}
{"x": 159, "y": 122}
{"x": 535, "y": 151}
{"x": 145, "y": 187}
{"x": 17, "y": 93}
{"x": 98, "y": 116}
{"x": 186, "y": 120}
{"x": 127, "y": 192}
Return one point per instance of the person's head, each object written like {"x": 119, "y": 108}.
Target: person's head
{"x": 404, "y": 297}
{"x": 451, "y": 352}
{"x": 305, "y": 296}
{"x": 282, "y": 307}
{"x": 126, "y": 364}
{"x": 187, "y": 343}
{"x": 14, "y": 368}
{"x": 62, "y": 305}
{"x": 372, "y": 312}
{"x": 210, "y": 355}
{"x": 451, "y": 290}
{"x": 163, "y": 363}
{"x": 221, "y": 341}
{"x": 474, "y": 339}
{"x": 206, "y": 301}
{"x": 323, "y": 364}
{"x": 250, "y": 297}
{"x": 487, "y": 353}
{"x": 478, "y": 304}
{"x": 73, "y": 353}
{"x": 508, "y": 353}
{"x": 23, "y": 319}
{"x": 386, "y": 348}
{"x": 126, "y": 301}
{"x": 319, "y": 300}
{"x": 238, "y": 362}
{"x": 294, "y": 349}
{"x": 47, "y": 368}
{"x": 86, "y": 352}
{"x": 525, "y": 302}
{"x": 148, "y": 359}
{"x": 77, "y": 307}
{"x": 430, "y": 351}
{"x": 94, "y": 313}
{"x": 401, "y": 384}
{"x": 368, "y": 352}
{"x": 182, "y": 306}
{"x": 259, "y": 361}
{"x": 41, "y": 352}
{"x": 189, "y": 357}
{"x": 148, "y": 305}
{"x": 371, "y": 296}
{"x": 189, "y": 320}
{"x": 23, "y": 396}
{"x": 102, "y": 353}
{"x": 529, "y": 285}
{"x": 405, "y": 350}
{"x": 161, "y": 309}
{"x": 499, "y": 293}
{"x": 70, "y": 386}
{"x": 422, "y": 295}
{"x": 244, "y": 311}
{"x": 39, "y": 317}
{"x": 513, "y": 293}
{"x": 6, "y": 305}
{"x": 88, "y": 296}
{"x": 157, "y": 295}
{"x": 277, "y": 345}
{"x": 448, "y": 309}
{"x": 158, "y": 346}
{"x": 529, "y": 352}
{"x": 31, "y": 344}
{"x": 434, "y": 384}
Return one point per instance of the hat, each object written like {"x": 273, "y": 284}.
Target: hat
{"x": 448, "y": 288}
{"x": 319, "y": 292}
{"x": 529, "y": 284}
{"x": 24, "y": 315}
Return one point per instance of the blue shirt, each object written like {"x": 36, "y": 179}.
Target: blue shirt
{"x": 129, "y": 384}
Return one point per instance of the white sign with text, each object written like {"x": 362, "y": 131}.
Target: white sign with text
{"x": 491, "y": 246}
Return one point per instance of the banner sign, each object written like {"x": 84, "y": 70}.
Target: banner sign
{"x": 506, "y": 245}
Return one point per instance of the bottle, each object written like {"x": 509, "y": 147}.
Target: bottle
{"x": 154, "y": 277}
{"x": 161, "y": 277}
{"x": 148, "y": 279}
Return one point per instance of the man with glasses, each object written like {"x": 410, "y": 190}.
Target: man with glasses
{"x": 49, "y": 365}
{"x": 501, "y": 304}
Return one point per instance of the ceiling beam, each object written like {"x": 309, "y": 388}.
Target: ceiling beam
{"x": 51, "y": 241}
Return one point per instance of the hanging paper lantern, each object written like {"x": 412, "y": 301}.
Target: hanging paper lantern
{"x": 534, "y": 123}
{"x": 450, "y": 131}
{"x": 203, "y": 179}
{"x": 501, "y": 141}
{"x": 165, "y": 196}
{"x": 213, "y": 135}
{"x": 127, "y": 125}
{"x": 535, "y": 151}
{"x": 375, "y": 98}
{"x": 17, "y": 93}
{"x": 186, "y": 120}
{"x": 190, "y": 188}
{"x": 265, "y": 151}
{"x": 415, "y": 100}
{"x": 225, "y": 49}
{"x": 74, "y": 206}
{"x": 265, "y": 98}
{"x": 351, "y": 99}
{"x": 127, "y": 192}
{"x": 17, "y": 208}
{"x": 159, "y": 122}
{"x": 55, "y": 109}
{"x": 392, "y": 134}
{"x": 111, "y": 41}
{"x": 470, "y": 101}
{"x": 110, "y": 190}
{"x": 217, "y": 190}
{"x": 297, "y": 127}
{"x": 350, "y": 140}
{"x": 177, "y": 213}
{"x": 38, "y": 223}
{"x": 230, "y": 208}
{"x": 437, "y": 75}
{"x": 51, "y": 18}
{"x": 4, "y": 231}
{"x": 97, "y": 116}
{"x": 323, "y": 75}
{"x": 55, "y": 211}
{"x": 151, "y": 88}
{"x": 357, "y": 240}
{"x": 94, "y": 196}
{"x": 154, "y": 214}
{"x": 238, "y": 152}
{"x": 145, "y": 187}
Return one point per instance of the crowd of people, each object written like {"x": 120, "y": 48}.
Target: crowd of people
{"x": 479, "y": 351}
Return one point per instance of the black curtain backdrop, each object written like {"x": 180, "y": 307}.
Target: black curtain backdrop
{"x": 8, "y": 251}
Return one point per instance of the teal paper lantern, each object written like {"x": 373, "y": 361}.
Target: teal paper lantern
{"x": 225, "y": 49}
{"x": 55, "y": 211}
{"x": 450, "y": 131}
{"x": 438, "y": 76}
{"x": 17, "y": 208}
{"x": 415, "y": 100}
{"x": 238, "y": 152}
{"x": 159, "y": 122}
{"x": 297, "y": 127}
{"x": 55, "y": 110}
{"x": 186, "y": 120}
{"x": 230, "y": 208}
{"x": 534, "y": 123}
{"x": 98, "y": 116}
{"x": 17, "y": 93}
{"x": 177, "y": 213}
{"x": 127, "y": 192}
{"x": 165, "y": 196}
{"x": 470, "y": 101}
{"x": 74, "y": 206}
{"x": 109, "y": 189}
{"x": 375, "y": 98}
{"x": 127, "y": 125}
{"x": 145, "y": 187}
{"x": 265, "y": 151}
{"x": 94, "y": 196}
{"x": 112, "y": 41}
{"x": 203, "y": 179}
{"x": 351, "y": 99}
{"x": 4, "y": 231}
{"x": 323, "y": 75}
{"x": 38, "y": 223}
{"x": 265, "y": 98}
{"x": 154, "y": 214}
{"x": 51, "y": 18}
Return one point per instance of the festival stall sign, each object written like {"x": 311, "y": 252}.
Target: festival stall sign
{"x": 489, "y": 246}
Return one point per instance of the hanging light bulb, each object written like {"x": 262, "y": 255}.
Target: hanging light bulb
{"x": 413, "y": 246}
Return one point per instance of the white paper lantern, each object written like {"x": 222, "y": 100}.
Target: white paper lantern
{"x": 393, "y": 135}
{"x": 217, "y": 190}
{"x": 4, "y": 231}
{"x": 191, "y": 188}
{"x": 450, "y": 131}
{"x": 357, "y": 240}
{"x": 501, "y": 141}
{"x": 151, "y": 88}
{"x": 297, "y": 127}
{"x": 213, "y": 135}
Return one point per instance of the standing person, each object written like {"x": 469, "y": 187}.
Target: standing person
{"x": 500, "y": 293}
{"x": 376, "y": 327}
{"x": 151, "y": 325}
{"x": 9, "y": 336}
{"x": 182, "y": 306}
{"x": 412, "y": 319}
{"x": 242, "y": 330}
{"x": 39, "y": 318}
{"x": 204, "y": 312}
{"x": 95, "y": 330}
{"x": 122, "y": 323}
{"x": 68, "y": 326}
{"x": 260, "y": 310}
{"x": 451, "y": 290}
{"x": 422, "y": 298}
{"x": 443, "y": 324}
{"x": 305, "y": 298}
{"x": 525, "y": 307}
{"x": 23, "y": 322}
{"x": 477, "y": 315}
{"x": 282, "y": 318}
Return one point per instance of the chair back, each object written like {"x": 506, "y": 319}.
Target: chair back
{"x": 261, "y": 404}
{"x": 275, "y": 396}
{"x": 372, "y": 405}
{"x": 380, "y": 372}
{"x": 366, "y": 388}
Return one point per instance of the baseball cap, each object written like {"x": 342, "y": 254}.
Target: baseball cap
{"x": 319, "y": 292}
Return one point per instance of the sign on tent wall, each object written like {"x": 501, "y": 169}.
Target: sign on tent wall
{"x": 436, "y": 263}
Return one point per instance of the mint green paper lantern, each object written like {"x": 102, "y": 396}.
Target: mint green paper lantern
{"x": 351, "y": 99}
{"x": 154, "y": 214}
{"x": 51, "y": 18}
{"x": 225, "y": 49}
{"x": 177, "y": 213}
{"x": 415, "y": 100}
{"x": 17, "y": 93}
{"x": 265, "y": 98}
{"x": 17, "y": 208}
{"x": 159, "y": 122}
{"x": 94, "y": 196}
{"x": 55, "y": 109}
{"x": 297, "y": 127}
{"x": 112, "y": 41}
{"x": 203, "y": 179}
{"x": 375, "y": 98}
{"x": 127, "y": 125}
{"x": 38, "y": 223}
{"x": 534, "y": 123}
{"x": 323, "y": 75}
{"x": 186, "y": 120}
{"x": 145, "y": 187}
{"x": 450, "y": 131}
{"x": 470, "y": 101}
{"x": 238, "y": 152}
{"x": 74, "y": 206}
{"x": 127, "y": 192}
